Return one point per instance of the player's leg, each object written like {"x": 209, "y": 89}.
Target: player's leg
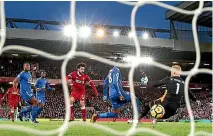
{"x": 27, "y": 98}
{"x": 127, "y": 99}
{"x": 27, "y": 116}
{"x": 83, "y": 107}
{"x": 169, "y": 110}
{"x": 83, "y": 110}
{"x": 12, "y": 111}
{"x": 114, "y": 114}
{"x": 72, "y": 109}
{"x": 35, "y": 108}
{"x": 9, "y": 114}
{"x": 41, "y": 102}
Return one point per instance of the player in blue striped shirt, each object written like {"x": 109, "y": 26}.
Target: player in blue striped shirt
{"x": 117, "y": 96}
{"x": 42, "y": 86}
{"x": 25, "y": 80}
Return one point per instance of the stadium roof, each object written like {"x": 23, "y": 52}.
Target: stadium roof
{"x": 205, "y": 19}
{"x": 42, "y": 25}
{"x": 109, "y": 51}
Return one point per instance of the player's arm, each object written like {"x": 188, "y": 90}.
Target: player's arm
{"x": 106, "y": 85}
{"x": 5, "y": 94}
{"x": 69, "y": 78}
{"x": 119, "y": 85}
{"x": 92, "y": 85}
{"x": 48, "y": 88}
{"x": 159, "y": 82}
{"x": 16, "y": 80}
{"x": 36, "y": 86}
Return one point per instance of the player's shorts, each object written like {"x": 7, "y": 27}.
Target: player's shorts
{"x": 26, "y": 95}
{"x": 117, "y": 103}
{"x": 78, "y": 95}
{"x": 170, "y": 110}
{"x": 41, "y": 99}
{"x": 13, "y": 105}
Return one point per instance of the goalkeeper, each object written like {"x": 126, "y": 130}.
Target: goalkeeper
{"x": 173, "y": 94}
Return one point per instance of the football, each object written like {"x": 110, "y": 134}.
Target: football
{"x": 157, "y": 111}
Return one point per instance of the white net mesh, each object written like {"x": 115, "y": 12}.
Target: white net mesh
{"x": 60, "y": 131}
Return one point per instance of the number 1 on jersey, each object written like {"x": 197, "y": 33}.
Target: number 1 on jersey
{"x": 178, "y": 87}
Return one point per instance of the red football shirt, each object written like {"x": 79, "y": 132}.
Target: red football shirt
{"x": 78, "y": 81}
{"x": 13, "y": 95}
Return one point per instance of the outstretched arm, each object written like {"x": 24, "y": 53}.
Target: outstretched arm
{"x": 16, "y": 81}
{"x": 69, "y": 78}
{"x": 48, "y": 88}
{"x": 36, "y": 86}
{"x": 5, "y": 95}
{"x": 93, "y": 88}
{"x": 159, "y": 82}
{"x": 92, "y": 85}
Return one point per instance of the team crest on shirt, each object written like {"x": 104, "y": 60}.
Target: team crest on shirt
{"x": 79, "y": 81}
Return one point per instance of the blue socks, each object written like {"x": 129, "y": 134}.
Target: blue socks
{"x": 25, "y": 110}
{"x": 27, "y": 115}
{"x": 39, "y": 111}
{"x": 35, "y": 110}
{"x": 108, "y": 115}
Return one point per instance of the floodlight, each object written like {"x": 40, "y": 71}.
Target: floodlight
{"x": 84, "y": 31}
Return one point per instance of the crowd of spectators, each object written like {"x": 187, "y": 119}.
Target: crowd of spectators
{"x": 12, "y": 66}
{"x": 203, "y": 111}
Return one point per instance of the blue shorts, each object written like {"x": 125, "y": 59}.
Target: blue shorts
{"x": 117, "y": 103}
{"x": 41, "y": 99}
{"x": 26, "y": 95}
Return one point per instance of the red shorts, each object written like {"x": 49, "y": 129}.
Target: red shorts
{"x": 78, "y": 95}
{"x": 13, "y": 105}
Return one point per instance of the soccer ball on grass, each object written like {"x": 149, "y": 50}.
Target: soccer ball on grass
{"x": 157, "y": 111}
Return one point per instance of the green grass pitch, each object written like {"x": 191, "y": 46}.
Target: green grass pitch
{"x": 173, "y": 129}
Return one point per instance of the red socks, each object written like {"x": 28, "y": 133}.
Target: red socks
{"x": 12, "y": 116}
{"x": 72, "y": 110}
{"x": 84, "y": 114}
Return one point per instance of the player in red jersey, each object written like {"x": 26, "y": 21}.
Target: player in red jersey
{"x": 13, "y": 100}
{"x": 79, "y": 80}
